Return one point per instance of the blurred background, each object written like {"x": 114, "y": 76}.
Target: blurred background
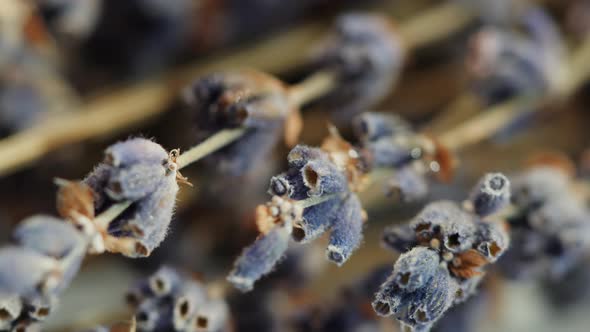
{"x": 59, "y": 58}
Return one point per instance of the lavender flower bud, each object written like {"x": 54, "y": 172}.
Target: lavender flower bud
{"x": 212, "y": 317}
{"x": 153, "y": 314}
{"x": 347, "y": 230}
{"x": 300, "y": 155}
{"x": 48, "y": 236}
{"x": 246, "y": 99}
{"x": 407, "y": 185}
{"x": 191, "y": 297}
{"x": 400, "y": 238}
{"x": 537, "y": 185}
{"x": 164, "y": 282}
{"x": 134, "y": 151}
{"x": 323, "y": 178}
{"x": 492, "y": 239}
{"x": 390, "y": 152}
{"x": 415, "y": 268}
{"x": 141, "y": 172}
{"x": 366, "y": 53}
{"x": 27, "y": 273}
{"x": 491, "y": 194}
{"x": 429, "y": 303}
{"x": 10, "y": 307}
{"x": 288, "y": 184}
{"x": 371, "y": 126}
{"x": 447, "y": 221}
{"x": 260, "y": 258}
{"x": 316, "y": 220}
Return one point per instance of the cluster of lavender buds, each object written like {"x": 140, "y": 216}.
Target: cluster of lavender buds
{"x": 246, "y": 99}
{"x": 367, "y": 54}
{"x": 124, "y": 206}
{"x": 139, "y": 175}
{"x": 445, "y": 249}
{"x": 36, "y": 269}
{"x": 170, "y": 300}
{"x": 550, "y": 226}
{"x": 389, "y": 143}
{"x": 505, "y": 64}
{"x": 315, "y": 195}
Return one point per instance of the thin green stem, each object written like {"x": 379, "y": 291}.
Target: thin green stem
{"x": 210, "y": 145}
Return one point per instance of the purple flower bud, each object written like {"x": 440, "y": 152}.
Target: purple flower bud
{"x": 414, "y": 268}
{"x": 153, "y": 314}
{"x": 300, "y": 155}
{"x": 212, "y": 317}
{"x": 27, "y": 273}
{"x": 445, "y": 220}
{"x": 316, "y": 220}
{"x": 492, "y": 240}
{"x": 164, "y": 282}
{"x": 347, "y": 230}
{"x": 49, "y": 236}
{"x": 407, "y": 184}
{"x": 429, "y": 303}
{"x": 323, "y": 178}
{"x": 242, "y": 99}
{"x": 10, "y": 307}
{"x": 189, "y": 299}
{"x": 507, "y": 64}
{"x": 491, "y": 194}
{"x": 371, "y": 126}
{"x": 367, "y": 54}
{"x": 260, "y": 258}
{"x": 388, "y": 152}
{"x": 400, "y": 238}
{"x": 537, "y": 185}
{"x": 141, "y": 172}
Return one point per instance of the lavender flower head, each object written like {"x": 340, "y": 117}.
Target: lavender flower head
{"x": 35, "y": 270}
{"x": 551, "y": 225}
{"x": 367, "y": 54}
{"x": 142, "y": 173}
{"x": 444, "y": 251}
{"x": 242, "y": 99}
{"x": 389, "y": 143}
{"x": 171, "y": 300}
{"x": 315, "y": 195}
{"x": 504, "y": 64}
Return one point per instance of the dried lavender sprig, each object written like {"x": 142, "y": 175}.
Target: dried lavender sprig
{"x": 448, "y": 250}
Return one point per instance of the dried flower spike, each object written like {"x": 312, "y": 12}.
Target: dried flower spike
{"x": 141, "y": 173}
{"x": 448, "y": 249}
{"x": 366, "y": 53}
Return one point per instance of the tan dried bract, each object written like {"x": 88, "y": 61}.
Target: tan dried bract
{"x": 74, "y": 199}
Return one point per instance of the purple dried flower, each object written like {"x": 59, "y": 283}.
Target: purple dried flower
{"x": 164, "y": 281}
{"x": 28, "y": 273}
{"x": 400, "y": 238}
{"x": 260, "y": 258}
{"x": 243, "y": 99}
{"x": 371, "y": 126}
{"x": 347, "y": 230}
{"x": 187, "y": 307}
{"x": 407, "y": 184}
{"x": 448, "y": 250}
{"x": 49, "y": 236}
{"x": 367, "y": 54}
{"x": 550, "y": 226}
{"x": 491, "y": 194}
{"x": 506, "y": 64}
{"x": 189, "y": 299}
{"x": 141, "y": 172}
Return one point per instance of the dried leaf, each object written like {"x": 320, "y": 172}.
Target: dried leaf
{"x": 74, "y": 199}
